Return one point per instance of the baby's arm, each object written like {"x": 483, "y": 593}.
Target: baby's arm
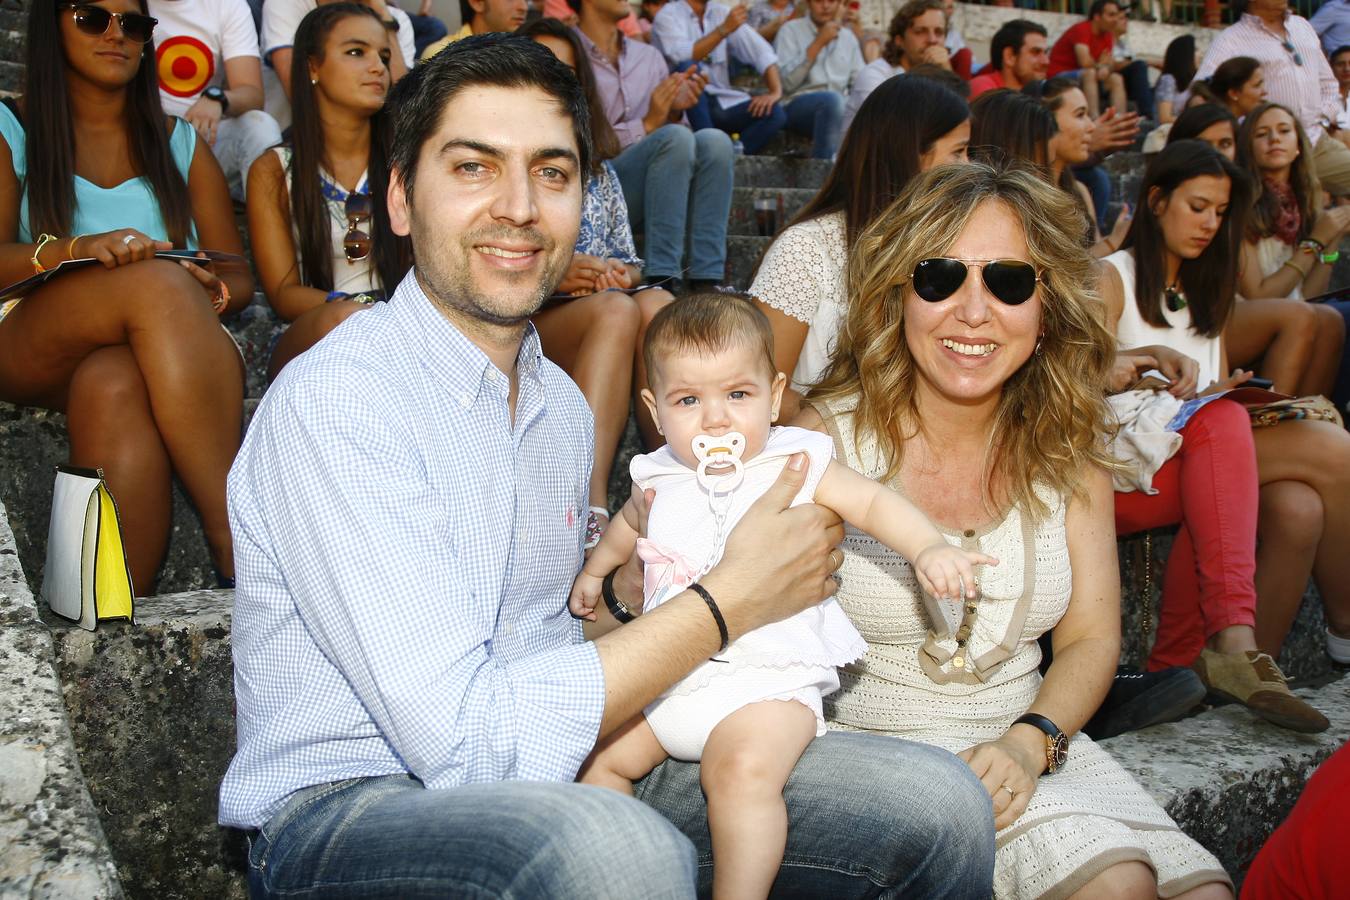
{"x": 615, "y": 546}
{"x": 941, "y": 567}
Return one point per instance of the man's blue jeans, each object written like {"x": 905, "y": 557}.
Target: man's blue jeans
{"x": 677, "y": 182}
{"x": 869, "y": 816}
{"x": 820, "y": 116}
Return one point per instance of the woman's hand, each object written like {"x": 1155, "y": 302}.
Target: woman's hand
{"x": 1008, "y": 772}
{"x": 1121, "y": 228}
{"x": 615, "y": 277}
{"x": 216, "y": 289}
{"x": 581, "y": 275}
{"x": 1237, "y": 379}
{"x": 118, "y": 248}
{"x": 1331, "y": 225}
{"x": 1180, "y": 369}
{"x": 1125, "y": 371}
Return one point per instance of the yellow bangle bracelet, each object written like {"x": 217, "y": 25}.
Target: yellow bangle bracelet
{"x": 1290, "y": 264}
{"x": 70, "y": 248}
{"x": 43, "y": 240}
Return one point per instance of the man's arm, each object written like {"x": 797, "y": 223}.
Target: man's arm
{"x": 797, "y": 54}
{"x": 243, "y": 84}
{"x": 280, "y": 18}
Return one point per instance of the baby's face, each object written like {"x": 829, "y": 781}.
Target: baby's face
{"x": 729, "y": 390}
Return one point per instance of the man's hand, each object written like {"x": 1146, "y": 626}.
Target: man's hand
{"x": 780, "y": 559}
{"x": 691, "y": 88}
{"x": 936, "y": 55}
{"x": 828, "y": 32}
{"x": 581, "y": 274}
{"x": 1114, "y": 131}
{"x": 761, "y": 105}
{"x": 735, "y": 19}
{"x": 662, "y": 101}
{"x": 205, "y": 116}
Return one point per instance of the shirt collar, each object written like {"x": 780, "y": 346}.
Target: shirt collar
{"x": 455, "y": 360}
{"x": 593, "y": 49}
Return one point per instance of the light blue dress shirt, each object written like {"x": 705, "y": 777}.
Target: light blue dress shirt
{"x": 1332, "y": 23}
{"x": 834, "y": 68}
{"x": 404, "y": 552}
{"x": 677, "y": 28}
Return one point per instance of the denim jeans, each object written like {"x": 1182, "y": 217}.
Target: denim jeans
{"x": 754, "y": 132}
{"x": 1137, "y": 87}
{"x": 1098, "y": 183}
{"x": 820, "y": 116}
{"x": 869, "y": 816}
{"x": 677, "y": 185}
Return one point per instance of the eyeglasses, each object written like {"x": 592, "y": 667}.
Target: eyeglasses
{"x": 357, "y": 243}
{"x": 94, "y": 20}
{"x": 1289, "y": 46}
{"x": 1011, "y": 281}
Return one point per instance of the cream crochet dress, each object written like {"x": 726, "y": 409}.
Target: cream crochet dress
{"x": 1084, "y": 818}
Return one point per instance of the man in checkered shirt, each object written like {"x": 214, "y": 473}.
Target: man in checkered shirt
{"x": 414, "y": 700}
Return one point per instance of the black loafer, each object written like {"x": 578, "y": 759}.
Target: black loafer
{"x": 1140, "y": 699}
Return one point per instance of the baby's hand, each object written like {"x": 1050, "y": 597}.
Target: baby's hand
{"x": 585, "y": 596}
{"x": 943, "y": 569}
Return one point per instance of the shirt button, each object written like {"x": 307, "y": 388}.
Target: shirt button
{"x": 970, "y": 532}
{"x": 465, "y": 400}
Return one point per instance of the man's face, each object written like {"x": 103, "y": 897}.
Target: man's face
{"x": 500, "y": 15}
{"x": 927, "y": 30}
{"x": 1341, "y": 66}
{"x": 1268, "y": 8}
{"x": 823, "y": 11}
{"x": 613, "y": 10}
{"x": 1032, "y": 60}
{"x": 497, "y": 203}
{"x": 1111, "y": 16}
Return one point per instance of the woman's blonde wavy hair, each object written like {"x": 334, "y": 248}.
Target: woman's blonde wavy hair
{"x": 1052, "y": 417}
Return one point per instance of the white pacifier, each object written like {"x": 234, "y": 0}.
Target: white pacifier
{"x": 719, "y": 452}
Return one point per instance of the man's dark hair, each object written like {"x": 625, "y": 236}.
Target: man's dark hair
{"x": 1099, "y": 6}
{"x": 1012, "y": 35}
{"x": 466, "y": 12}
{"x": 497, "y": 60}
{"x": 1337, "y": 52}
{"x": 904, "y": 17}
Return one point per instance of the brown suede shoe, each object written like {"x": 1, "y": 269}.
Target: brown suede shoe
{"x": 1252, "y": 679}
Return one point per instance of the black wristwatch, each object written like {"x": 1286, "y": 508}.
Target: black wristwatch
{"x": 1056, "y": 741}
{"x": 216, "y": 93}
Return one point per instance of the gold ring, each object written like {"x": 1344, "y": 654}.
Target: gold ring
{"x": 836, "y": 565}
{"x": 1012, "y": 795}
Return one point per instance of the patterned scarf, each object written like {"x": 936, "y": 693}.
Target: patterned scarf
{"x": 1287, "y": 220}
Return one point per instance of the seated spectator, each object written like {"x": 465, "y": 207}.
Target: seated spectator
{"x": 648, "y": 13}
{"x": 1200, "y": 94}
{"x": 1332, "y": 24}
{"x": 1209, "y": 598}
{"x": 916, "y": 36}
{"x": 1240, "y": 84}
{"x": 818, "y": 59}
{"x": 484, "y": 17}
{"x": 427, "y": 29}
{"x": 210, "y": 75}
{"x": 1185, "y": 254}
{"x": 1340, "y": 67}
{"x": 317, "y": 219}
{"x": 1208, "y": 122}
{"x": 676, "y": 182}
{"x": 1010, "y": 126}
{"x": 282, "y": 17}
{"x": 1017, "y": 57}
{"x": 592, "y": 329}
{"x": 767, "y": 16}
{"x": 1133, "y": 70}
{"x": 916, "y": 398}
{"x": 131, "y": 350}
{"x": 1288, "y": 251}
{"x": 1084, "y": 51}
{"x": 710, "y": 34}
{"x": 430, "y": 691}
{"x": 1297, "y": 76}
{"x": 1177, "y": 72}
{"x": 962, "y": 60}
{"x": 907, "y": 126}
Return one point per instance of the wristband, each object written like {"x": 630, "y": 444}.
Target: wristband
{"x": 1311, "y": 245}
{"x": 335, "y": 295}
{"x": 43, "y": 240}
{"x": 1331, "y": 257}
{"x": 716, "y": 613}
{"x": 617, "y": 608}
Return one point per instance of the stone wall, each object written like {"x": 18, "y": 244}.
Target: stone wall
{"x": 13, "y": 23}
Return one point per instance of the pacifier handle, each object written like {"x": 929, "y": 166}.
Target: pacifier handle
{"x": 719, "y": 450}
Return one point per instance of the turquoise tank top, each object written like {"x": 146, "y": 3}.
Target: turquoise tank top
{"x": 131, "y": 204}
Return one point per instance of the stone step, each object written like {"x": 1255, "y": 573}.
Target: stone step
{"x": 780, "y": 172}
{"x": 743, "y": 255}
{"x": 151, "y": 712}
{"x": 785, "y": 203}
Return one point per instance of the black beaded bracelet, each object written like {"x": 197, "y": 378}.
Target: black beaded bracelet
{"x": 621, "y": 613}
{"x": 716, "y": 613}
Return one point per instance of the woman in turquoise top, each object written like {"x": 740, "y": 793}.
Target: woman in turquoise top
{"x": 132, "y": 350}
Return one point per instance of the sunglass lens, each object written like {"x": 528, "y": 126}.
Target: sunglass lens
{"x": 92, "y": 19}
{"x": 937, "y": 279}
{"x": 356, "y": 245}
{"x": 358, "y": 206}
{"x": 138, "y": 28}
{"x": 1010, "y": 280}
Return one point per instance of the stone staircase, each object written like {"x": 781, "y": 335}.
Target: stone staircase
{"x": 127, "y": 766}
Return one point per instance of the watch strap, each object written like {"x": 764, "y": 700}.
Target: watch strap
{"x": 617, "y": 608}
{"x": 1056, "y": 741}
{"x": 1041, "y": 722}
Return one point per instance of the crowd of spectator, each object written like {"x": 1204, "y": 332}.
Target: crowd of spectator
{"x": 966, "y": 206}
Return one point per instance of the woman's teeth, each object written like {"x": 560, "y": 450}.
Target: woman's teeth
{"x": 969, "y": 349}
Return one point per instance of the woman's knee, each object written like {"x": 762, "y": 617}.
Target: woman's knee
{"x": 164, "y": 293}
{"x": 1122, "y": 881}
{"x": 650, "y": 303}
{"x": 109, "y": 379}
{"x": 1330, "y": 323}
{"x": 1291, "y": 514}
{"x": 614, "y": 311}
{"x": 676, "y": 142}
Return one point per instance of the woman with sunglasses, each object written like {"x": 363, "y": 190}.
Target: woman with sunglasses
{"x": 1173, "y": 285}
{"x": 131, "y": 349}
{"x": 800, "y": 282}
{"x": 968, "y": 377}
{"x": 316, "y": 217}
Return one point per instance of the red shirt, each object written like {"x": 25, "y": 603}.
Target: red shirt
{"x": 990, "y": 81}
{"x": 1062, "y": 57}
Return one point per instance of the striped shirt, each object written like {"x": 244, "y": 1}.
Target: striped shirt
{"x": 1297, "y": 75}
{"x": 404, "y": 552}
{"x": 677, "y": 28}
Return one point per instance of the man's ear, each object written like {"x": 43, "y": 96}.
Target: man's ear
{"x": 400, "y": 216}
{"x": 1009, "y": 58}
{"x": 478, "y": 6}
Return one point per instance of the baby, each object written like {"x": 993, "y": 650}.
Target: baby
{"x": 749, "y": 713}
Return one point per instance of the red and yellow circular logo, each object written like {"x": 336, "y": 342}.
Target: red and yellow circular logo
{"x": 185, "y": 65}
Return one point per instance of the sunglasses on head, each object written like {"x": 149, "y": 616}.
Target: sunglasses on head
{"x": 1011, "y": 281}
{"x": 357, "y": 243}
{"x": 94, "y": 20}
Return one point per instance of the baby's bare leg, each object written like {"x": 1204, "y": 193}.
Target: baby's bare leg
{"x": 622, "y": 758}
{"x": 746, "y": 762}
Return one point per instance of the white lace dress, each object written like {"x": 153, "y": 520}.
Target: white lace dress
{"x": 802, "y": 276}
{"x": 1086, "y": 817}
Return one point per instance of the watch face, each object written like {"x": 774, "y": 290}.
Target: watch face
{"x": 1060, "y": 748}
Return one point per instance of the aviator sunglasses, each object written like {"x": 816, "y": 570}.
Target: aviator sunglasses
{"x": 94, "y": 20}
{"x": 1011, "y": 281}
{"x": 356, "y": 244}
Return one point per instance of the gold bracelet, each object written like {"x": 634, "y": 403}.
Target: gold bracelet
{"x": 43, "y": 240}
{"x": 70, "y": 248}
{"x": 1290, "y": 263}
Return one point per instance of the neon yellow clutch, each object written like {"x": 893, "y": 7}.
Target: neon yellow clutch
{"x": 86, "y": 578}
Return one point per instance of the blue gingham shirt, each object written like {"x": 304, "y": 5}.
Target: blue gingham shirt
{"x": 404, "y": 552}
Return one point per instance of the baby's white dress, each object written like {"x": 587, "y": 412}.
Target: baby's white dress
{"x": 794, "y": 659}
